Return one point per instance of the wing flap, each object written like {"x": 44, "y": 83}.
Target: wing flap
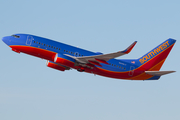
{"x": 158, "y": 73}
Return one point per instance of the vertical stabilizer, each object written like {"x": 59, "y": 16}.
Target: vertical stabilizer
{"x": 153, "y": 60}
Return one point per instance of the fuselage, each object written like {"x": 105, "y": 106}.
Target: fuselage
{"x": 47, "y": 49}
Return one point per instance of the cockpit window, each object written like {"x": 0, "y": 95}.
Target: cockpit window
{"x": 16, "y": 36}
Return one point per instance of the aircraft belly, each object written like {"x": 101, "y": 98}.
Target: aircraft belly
{"x": 38, "y": 52}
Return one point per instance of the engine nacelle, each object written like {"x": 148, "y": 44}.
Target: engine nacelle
{"x": 64, "y": 60}
{"x": 57, "y": 66}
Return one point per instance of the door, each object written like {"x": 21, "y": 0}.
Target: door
{"x": 29, "y": 40}
{"x": 76, "y": 54}
{"x": 131, "y": 72}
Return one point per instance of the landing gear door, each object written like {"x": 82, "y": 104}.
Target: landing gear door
{"x": 29, "y": 40}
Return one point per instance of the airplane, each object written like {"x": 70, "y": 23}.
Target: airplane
{"x": 64, "y": 57}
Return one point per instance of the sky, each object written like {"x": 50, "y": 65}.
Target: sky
{"x": 31, "y": 91}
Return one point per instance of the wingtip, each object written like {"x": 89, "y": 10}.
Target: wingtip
{"x": 173, "y": 71}
{"x": 128, "y": 50}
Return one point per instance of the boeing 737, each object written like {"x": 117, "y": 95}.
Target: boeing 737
{"x": 64, "y": 57}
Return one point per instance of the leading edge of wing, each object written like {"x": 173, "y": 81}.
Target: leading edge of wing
{"x": 104, "y": 57}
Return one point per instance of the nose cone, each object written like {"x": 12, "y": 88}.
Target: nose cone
{"x": 6, "y": 39}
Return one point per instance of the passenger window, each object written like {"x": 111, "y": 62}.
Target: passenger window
{"x": 119, "y": 66}
{"x": 44, "y": 44}
{"x": 69, "y": 51}
{"x": 59, "y": 48}
{"x": 34, "y": 41}
{"x": 51, "y": 46}
{"x": 54, "y": 47}
{"x": 114, "y": 65}
{"x": 124, "y": 68}
{"x": 37, "y": 42}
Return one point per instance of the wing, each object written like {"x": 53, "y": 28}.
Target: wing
{"x": 96, "y": 59}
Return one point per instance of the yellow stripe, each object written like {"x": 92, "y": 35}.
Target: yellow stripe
{"x": 147, "y": 70}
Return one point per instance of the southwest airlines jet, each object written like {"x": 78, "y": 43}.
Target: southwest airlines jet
{"x": 63, "y": 57}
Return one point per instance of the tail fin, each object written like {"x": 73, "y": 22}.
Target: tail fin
{"x": 153, "y": 60}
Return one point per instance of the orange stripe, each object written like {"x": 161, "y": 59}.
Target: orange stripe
{"x": 158, "y": 66}
{"x": 145, "y": 76}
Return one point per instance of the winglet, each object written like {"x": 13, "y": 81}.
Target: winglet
{"x": 126, "y": 51}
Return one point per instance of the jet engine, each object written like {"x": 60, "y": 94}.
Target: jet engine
{"x": 56, "y": 66}
{"x": 64, "y": 60}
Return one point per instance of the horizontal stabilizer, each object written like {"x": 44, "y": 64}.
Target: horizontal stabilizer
{"x": 158, "y": 73}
